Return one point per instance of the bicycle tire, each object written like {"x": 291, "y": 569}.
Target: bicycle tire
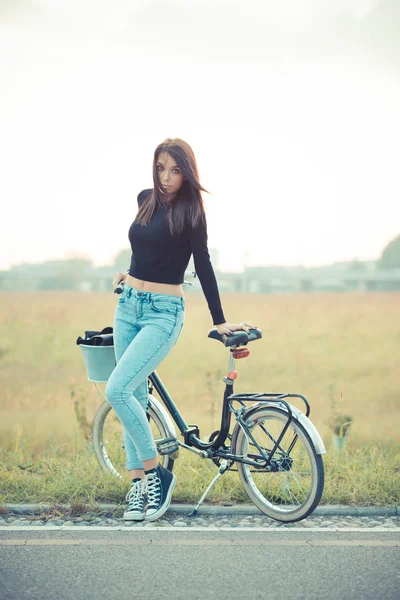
{"x": 263, "y": 487}
{"x": 106, "y": 458}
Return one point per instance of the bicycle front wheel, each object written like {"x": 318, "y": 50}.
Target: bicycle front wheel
{"x": 108, "y": 440}
{"x": 291, "y": 487}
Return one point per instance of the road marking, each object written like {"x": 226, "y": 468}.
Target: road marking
{"x": 282, "y": 530}
{"x": 199, "y": 542}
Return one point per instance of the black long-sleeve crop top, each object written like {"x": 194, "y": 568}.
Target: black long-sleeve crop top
{"x": 159, "y": 257}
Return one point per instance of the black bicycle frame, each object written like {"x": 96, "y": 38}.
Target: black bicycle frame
{"x": 191, "y": 433}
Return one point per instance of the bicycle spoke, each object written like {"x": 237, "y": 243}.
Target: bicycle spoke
{"x": 302, "y": 488}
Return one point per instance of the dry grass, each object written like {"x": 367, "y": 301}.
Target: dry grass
{"x": 340, "y": 351}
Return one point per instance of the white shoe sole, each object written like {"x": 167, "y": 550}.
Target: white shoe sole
{"x": 133, "y": 516}
{"x": 159, "y": 513}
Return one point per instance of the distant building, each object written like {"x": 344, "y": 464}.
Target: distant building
{"x": 337, "y": 277}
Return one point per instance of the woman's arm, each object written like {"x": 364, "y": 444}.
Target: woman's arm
{"x": 198, "y": 242}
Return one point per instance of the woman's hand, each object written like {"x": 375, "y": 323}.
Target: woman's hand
{"x": 228, "y": 328}
{"x": 118, "y": 278}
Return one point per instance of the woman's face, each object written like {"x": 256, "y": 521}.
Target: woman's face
{"x": 170, "y": 174}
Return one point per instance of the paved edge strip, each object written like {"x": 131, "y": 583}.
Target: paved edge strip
{"x": 330, "y": 510}
{"x": 212, "y": 529}
{"x": 197, "y": 542}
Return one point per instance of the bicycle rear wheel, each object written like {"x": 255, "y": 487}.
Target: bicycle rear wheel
{"x": 108, "y": 440}
{"x": 291, "y": 488}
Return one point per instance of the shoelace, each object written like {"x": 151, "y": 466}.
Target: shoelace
{"x": 152, "y": 487}
{"x": 135, "y": 496}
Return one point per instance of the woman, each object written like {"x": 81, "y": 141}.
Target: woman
{"x": 150, "y": 312}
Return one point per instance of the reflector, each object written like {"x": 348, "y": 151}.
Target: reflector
{"x": 241, "y": 353}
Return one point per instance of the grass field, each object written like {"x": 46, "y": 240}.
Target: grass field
{"x": 342, "y": 351}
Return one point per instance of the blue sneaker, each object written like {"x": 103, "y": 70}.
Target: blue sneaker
{"x": 159, "y": 487}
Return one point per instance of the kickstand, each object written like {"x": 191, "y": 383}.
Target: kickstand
{"x": 225, "y": 464}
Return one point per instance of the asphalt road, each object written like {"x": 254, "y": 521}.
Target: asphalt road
{"x": 199, "y": 564}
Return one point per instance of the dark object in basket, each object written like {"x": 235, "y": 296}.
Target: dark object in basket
{"x": 98, "y": 353}
{"x": 97, "y": 338}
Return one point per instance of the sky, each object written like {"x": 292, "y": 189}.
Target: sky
{"x": 291, "y": 109}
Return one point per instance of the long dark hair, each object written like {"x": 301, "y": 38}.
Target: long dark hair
{"x": 187, "y": 208}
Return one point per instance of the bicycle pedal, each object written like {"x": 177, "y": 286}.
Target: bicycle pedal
{"x": 167, "y": 445}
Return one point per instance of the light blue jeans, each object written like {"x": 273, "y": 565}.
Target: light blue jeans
{"x": 146, "y": 327}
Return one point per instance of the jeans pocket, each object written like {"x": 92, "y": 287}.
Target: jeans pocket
{"x": 163, "y": 306}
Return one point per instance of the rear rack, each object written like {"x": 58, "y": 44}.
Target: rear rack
{"x": 270, "y": 397}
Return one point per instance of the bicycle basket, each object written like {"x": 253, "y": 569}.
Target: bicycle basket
{"x": 98, "y": 353}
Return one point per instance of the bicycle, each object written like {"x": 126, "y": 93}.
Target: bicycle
{"x": 274, "y": 446}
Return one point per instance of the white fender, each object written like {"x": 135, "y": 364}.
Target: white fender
{"x": 163, "y": 415}
{"x": 301, "y": 417}
{"x": 310, "y": 428}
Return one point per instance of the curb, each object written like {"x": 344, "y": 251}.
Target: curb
{"x": 328, "y": 510}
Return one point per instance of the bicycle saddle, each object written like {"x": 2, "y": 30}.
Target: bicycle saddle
{"x": 237, "y": 338}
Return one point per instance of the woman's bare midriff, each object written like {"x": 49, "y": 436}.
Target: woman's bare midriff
{"x": 156, "y": 288}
